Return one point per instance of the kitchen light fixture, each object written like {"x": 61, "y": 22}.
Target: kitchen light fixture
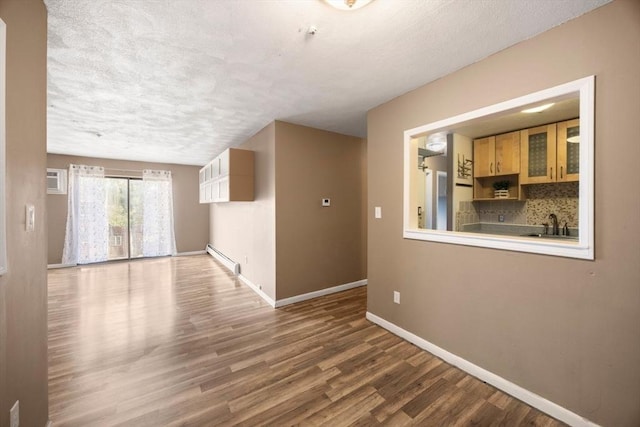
{"x": 574, "y": 139}
{"x": 538, "y": 109}
{"x": 348, "y": 4}
{"x": 436, "y": 142}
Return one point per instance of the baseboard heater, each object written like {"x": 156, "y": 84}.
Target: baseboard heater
{"x": 233, "y": 266}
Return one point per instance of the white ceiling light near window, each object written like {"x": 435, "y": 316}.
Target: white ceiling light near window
{"x": 538, "y": 109}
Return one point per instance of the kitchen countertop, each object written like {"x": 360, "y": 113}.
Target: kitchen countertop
{"x": 502, "y": 229}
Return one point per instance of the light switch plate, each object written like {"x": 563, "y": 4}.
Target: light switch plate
{"x": 377, "y": 212}
{"x": 396, "y": 297}
{"x": 326, "y": 202}
{"x": 30, "y": 218}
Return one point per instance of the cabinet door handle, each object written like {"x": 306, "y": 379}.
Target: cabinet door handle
{"x": 491, "y": 167}
{"x": 561, "y": 172}
{"x": 551, "y": 173}
{"x": 498, "y": 167}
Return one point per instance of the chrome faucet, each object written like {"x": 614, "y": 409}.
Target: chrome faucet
{"x": 556, "y": 228}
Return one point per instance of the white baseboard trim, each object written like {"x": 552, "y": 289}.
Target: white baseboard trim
{"x": 319, "y": 293}
{"x": 54, "y": 266}
{"x": 191, "y": 253}
{"x": 507, "y": 386}
{"x": 298, "y": 298}
{"x": 257, "y": 290}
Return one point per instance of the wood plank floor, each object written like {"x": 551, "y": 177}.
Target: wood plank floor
{"x": 178, "y": 341}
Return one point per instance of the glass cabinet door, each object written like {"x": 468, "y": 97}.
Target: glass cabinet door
{"x": 538, "y": 156}
{"x": 569, "y": 150}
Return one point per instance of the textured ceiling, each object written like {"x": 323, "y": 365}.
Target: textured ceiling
{"x": 178, "y": 81}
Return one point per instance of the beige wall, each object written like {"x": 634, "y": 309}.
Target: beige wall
{"x": 191, "y": 219}
{"x": 565, "y": 329}
{"x": 318, "y": 247}
{"x": 245, "y": 231}
{"x": 23, "y": 289}
{"x": 284, "y": 240}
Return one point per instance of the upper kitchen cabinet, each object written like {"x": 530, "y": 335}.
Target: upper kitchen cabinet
{"x": 508, "y": 153}
{"x": 484, "y": 157}
{"x": 551, "y": 153}
{"x": 497, "y": 155}
{"x": 228, "y": 178}
{"x": 568, "y": 150}
{"x": 538, "y": 160}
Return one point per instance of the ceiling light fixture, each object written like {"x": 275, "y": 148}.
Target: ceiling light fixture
{"x": 348, "y": 4}
{"x": 574, "y": 139}
{"x": 436, "y": 142}
{"x": 436, "y": 146}
{"x": 538, "y": 109}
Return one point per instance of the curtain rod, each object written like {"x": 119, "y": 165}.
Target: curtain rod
{"x": 123, "y": 170}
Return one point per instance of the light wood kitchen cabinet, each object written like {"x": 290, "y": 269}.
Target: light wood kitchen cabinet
{"x": 508, "y": 153}
{"x": 483, "y": 187}
{"x": 496, "y": 155}
{"x": 228, "y": 178}
{"x": 568, "y": 151}
{"x": 538, "y": 159}
{"x": 548, "y": 156}
{"x": 484, "y": 156}
{"x": 496, "y": 158}
{"x": 542, "y": 154}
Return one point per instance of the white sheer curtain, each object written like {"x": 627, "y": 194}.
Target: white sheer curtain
{"x": 158, "y": 236}
{"x": 87, "y": 233}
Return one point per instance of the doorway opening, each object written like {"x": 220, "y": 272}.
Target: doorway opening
{"x": 428, "y": 198}
{"x": 441, "y": 215}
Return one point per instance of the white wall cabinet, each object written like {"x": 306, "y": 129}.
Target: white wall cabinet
{"x": 228, "y": 178}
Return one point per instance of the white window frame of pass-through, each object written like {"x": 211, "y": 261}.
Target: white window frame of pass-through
{"x": 584, "y": 249}
{"x": 61, "y": 188}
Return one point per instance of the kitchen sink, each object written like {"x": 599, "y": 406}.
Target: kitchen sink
{"x": 551, "y": 237}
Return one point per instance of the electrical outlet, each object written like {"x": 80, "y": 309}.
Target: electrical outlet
{"x": 326, "y": 202}
{"x": 396, "y": 297}
{"x": 500, "y": 218}
{"x": 15, "y": 415}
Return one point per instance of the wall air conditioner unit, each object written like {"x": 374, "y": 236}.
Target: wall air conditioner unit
{"x": 56, "y": 181}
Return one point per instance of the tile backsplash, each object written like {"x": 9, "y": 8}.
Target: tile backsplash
{"x": 560, "y": 198}
{"x": 466, "y": 214}
{"x": 542, "y": 200}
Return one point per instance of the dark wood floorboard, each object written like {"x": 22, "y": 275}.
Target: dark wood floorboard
{"x": 178, "y": 341}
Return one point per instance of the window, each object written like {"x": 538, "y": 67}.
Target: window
{"x": 56, "y": 181}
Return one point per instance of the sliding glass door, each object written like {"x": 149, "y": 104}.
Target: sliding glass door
{"x": 125, "y": 215}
